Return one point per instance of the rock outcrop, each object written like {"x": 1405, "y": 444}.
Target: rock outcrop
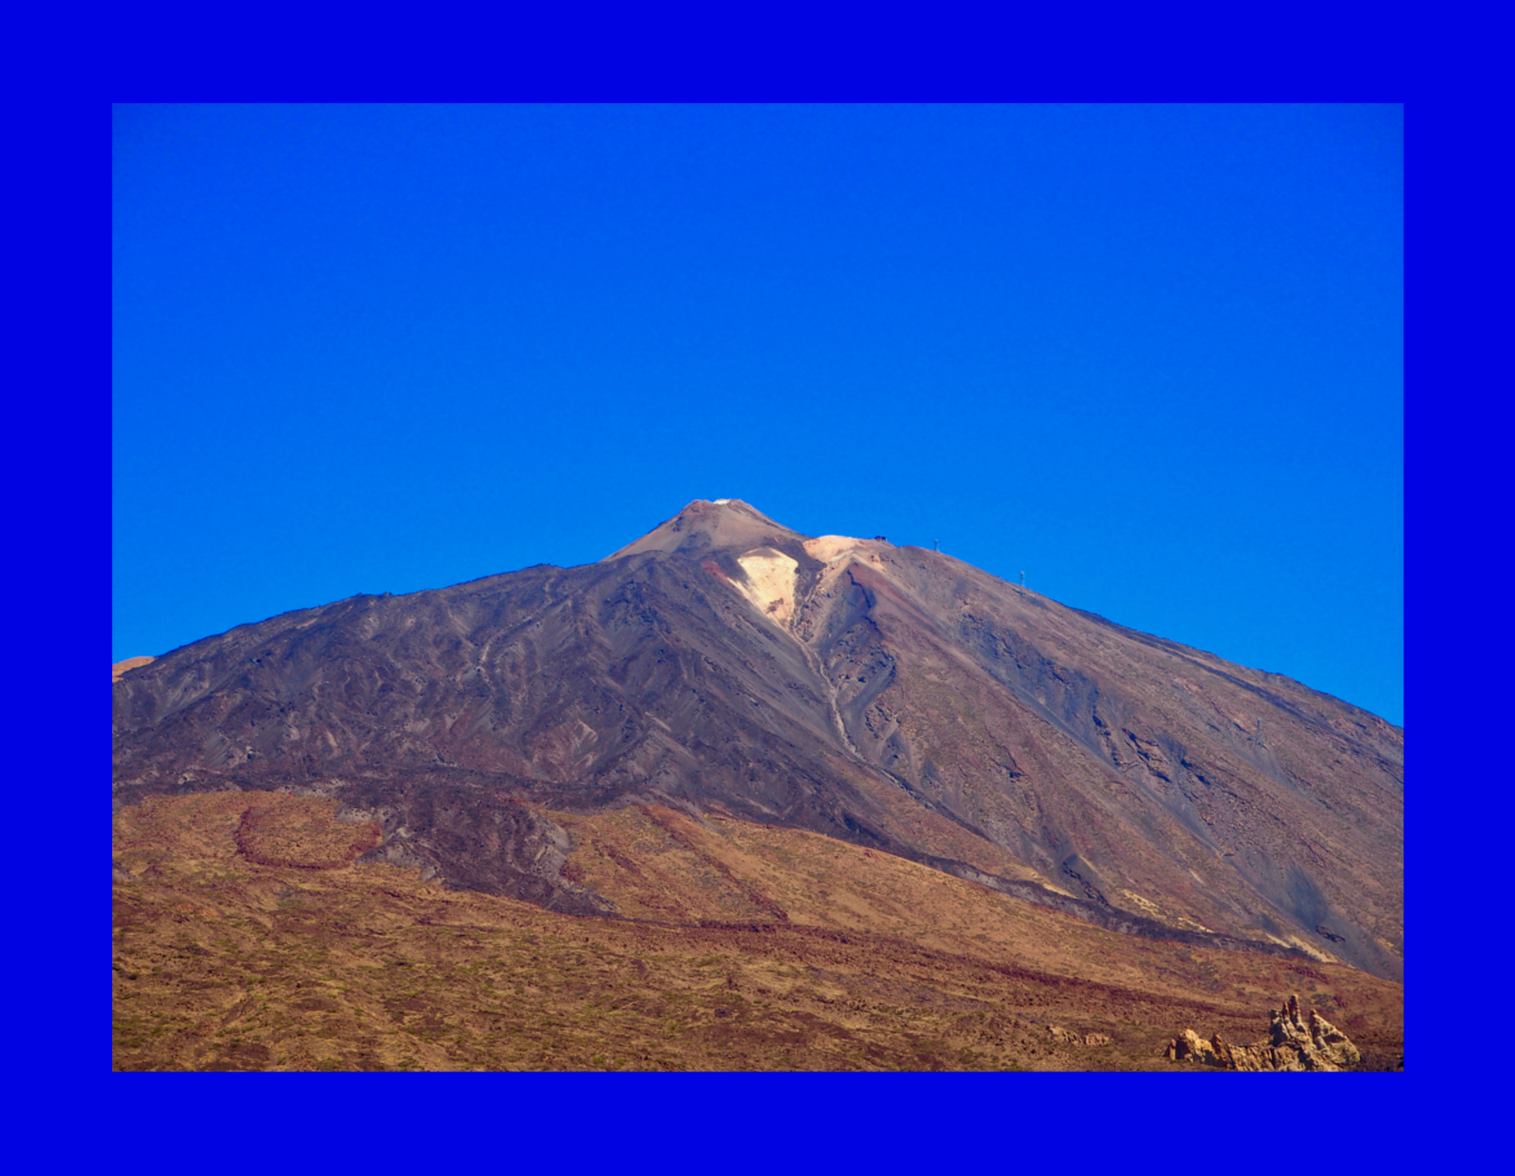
{"x": 1294, "y": 1043}
{"x": 1061, "y": 1036}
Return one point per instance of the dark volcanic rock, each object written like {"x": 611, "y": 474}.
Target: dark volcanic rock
{"x": 894, "y": 697}
{"x": 475, "y": 839}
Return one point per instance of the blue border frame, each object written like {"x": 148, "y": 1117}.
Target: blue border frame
{"x": 727, "y": 1120}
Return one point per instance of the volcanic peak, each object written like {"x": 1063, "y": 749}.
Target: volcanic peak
{"x": 765, "y": 561}
{"x": 726, "y": 525}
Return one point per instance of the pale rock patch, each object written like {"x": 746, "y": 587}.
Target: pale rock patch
{"x": 830, "y": 547}
{"x": 770, "y": 582}
{"x": 1145, "y": 905}
{"x": 1315, "y": 953}
{"x": 130, "y": 663}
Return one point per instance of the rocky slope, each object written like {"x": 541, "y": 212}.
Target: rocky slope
{"x": 889, "y": 696}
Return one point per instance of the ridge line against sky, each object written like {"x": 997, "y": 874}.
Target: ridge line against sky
{"x": 1152, "y": 355}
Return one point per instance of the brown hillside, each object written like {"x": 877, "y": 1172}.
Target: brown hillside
{"x": 814, "y": 954}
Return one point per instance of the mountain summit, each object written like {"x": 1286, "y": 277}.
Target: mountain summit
{"x": 727, "y": 524}
{"x": 886, "y": 695}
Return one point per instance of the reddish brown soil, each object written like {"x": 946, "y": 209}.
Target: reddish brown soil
{"x": 299, "y": 833}
{"x": 742, "y": 947}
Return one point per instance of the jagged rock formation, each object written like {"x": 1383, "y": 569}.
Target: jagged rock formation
{"x": 889, "y": 696}
{"x": 1294, "y": 1043}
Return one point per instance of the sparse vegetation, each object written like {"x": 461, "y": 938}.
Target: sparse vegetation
{"x": 225, "y": 963}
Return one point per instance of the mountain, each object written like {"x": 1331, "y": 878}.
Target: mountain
{"x": 728, "y": 667}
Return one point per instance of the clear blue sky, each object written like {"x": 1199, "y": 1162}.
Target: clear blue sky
{"x": 1153, "y": 356}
